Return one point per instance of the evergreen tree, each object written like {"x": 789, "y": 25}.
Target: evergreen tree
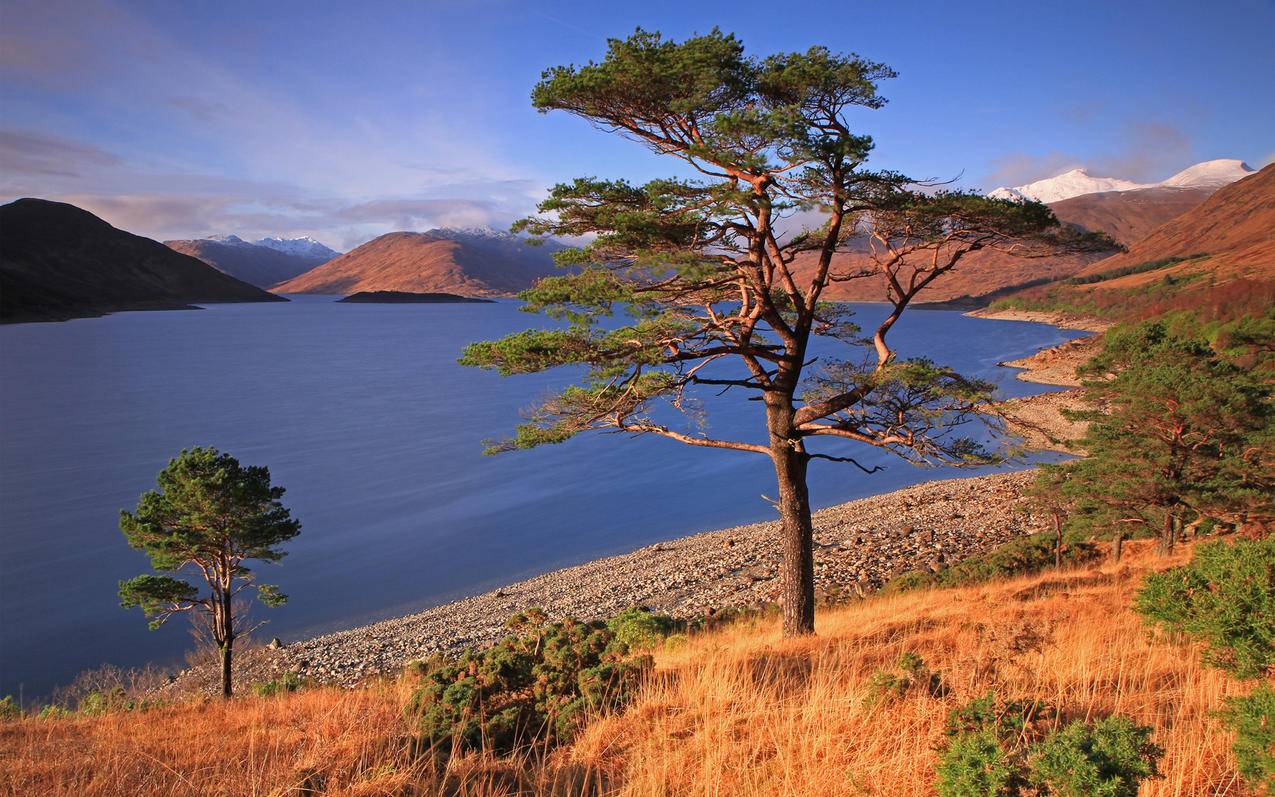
{"x": 208, "y": 517}
{"x": 723, "y": 289}
{"x": 1178, "y": 432}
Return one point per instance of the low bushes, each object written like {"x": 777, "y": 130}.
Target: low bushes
{"x": 997, "y": 748}
{"x": 1018, "y": 557}
{"x": 534, "y": 688}
{"x": 1252, "y": 717}
{"x": 1224, "y": 598}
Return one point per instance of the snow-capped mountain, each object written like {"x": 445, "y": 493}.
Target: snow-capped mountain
{"x": 1078, "y": 182}
{"x": 229, "y": 240}
{"x": 304, "y": 246}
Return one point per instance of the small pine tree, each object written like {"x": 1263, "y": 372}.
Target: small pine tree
{"x": 209, "y": 516}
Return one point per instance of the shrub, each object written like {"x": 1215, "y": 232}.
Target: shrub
{"x": 103, "y": 702}
{"x": 911, "y": 674}
{"x": 1109, "y": 758}
{"x": 1253, "y": 719}
{"x": 639, "y": 628}
{"x": 288, "y": 682}
{"x": 9, "y": 709}
{"x": 997, "y": 748}
{"x": 1018, "y": 557}
{"x": 53, "y": 712}
{"x": 1224, "y": 598}
{"x": 985, "y": 752}
{"x": 534, "y": 687}
{"x": 976, "y": 765}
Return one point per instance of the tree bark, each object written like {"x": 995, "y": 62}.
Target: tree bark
{"x": 227, "y": 653}
{"x": 797, "y": 569}
{"x": 1117, "y": 546}
{"x": 227, "y": 642}
{"x": 1057, "y": 541}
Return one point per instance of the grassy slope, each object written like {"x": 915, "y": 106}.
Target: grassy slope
{"x": 738, "y": 711}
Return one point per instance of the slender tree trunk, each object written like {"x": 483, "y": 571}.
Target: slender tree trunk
{"x": 1167, "y": 534}
{"x": 797, "y": 570}
{"x": 1117, "y": 546}
{"x": 1057, "y": 541}
{"x": 227, "y": 644}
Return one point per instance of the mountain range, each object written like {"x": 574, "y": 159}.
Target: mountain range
{"x": 474, "y": 262}
{"x": 264, "y": 263}
{"x": 58, "y": 261}
{"x": 1208, "y": 175}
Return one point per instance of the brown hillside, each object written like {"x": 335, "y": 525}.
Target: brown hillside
{"x": 58, "y": 261}
{"x": 439, "y": 261}
{"x": 1128, "y": 216}
{"x": 255, "y": 265}
{"x": 1235, "y": 227}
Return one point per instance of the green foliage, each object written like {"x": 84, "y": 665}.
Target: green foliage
{"x": 640, "y": 628}
{"x": 911, "y": 674}
{"x": 208, "y": 517}
{"x": 1225, "y": 598}
{"x": 1252, "y": 718}
{"x": 53, "y": 711}
{"x": 1139, "y": 268}
{"x": 535, "y": 687}
{"x": 106, "y": 701}
{"x": 288, "y": 682}
{"x": 1178, "y": 430}
{"x": 997, "y": 748}
{"x": 1018, "y": 557}
{"x": 1108, "y": 758}
{"x": 986, "y": 747}
{"x": 9, "y": 709}
{"x": 977, "y": 765}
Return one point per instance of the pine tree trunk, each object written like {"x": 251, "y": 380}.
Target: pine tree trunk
{"x": 227, "y": 653}
{"x": 1117, "y": 546}
{"x": 1057, "y": 541}
{"x": 797, "y": 569}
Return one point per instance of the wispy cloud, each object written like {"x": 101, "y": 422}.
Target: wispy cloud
{"x": 1144, "y": 151}
{"x": 26, "y": 153}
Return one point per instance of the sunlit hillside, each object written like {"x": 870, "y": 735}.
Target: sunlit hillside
{"x": 735, "y": 711}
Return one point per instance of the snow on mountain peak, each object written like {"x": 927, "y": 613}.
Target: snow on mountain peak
{"x": 1076, "y": 182}
{"x": 232, "y": 240}
{"x": 304, "y": 246}
{"x": 1210, "y": 174}
{"x": 1068, "y": 184}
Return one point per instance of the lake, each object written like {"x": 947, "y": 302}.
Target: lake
{"x": 361, "y": 412}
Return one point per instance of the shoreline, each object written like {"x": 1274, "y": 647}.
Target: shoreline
{"x": 859, "y": 546}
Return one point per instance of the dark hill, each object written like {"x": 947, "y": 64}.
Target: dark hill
{"x": 58, "y": 261}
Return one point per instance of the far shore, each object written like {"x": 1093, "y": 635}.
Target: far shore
{"x": 859, "y": 546}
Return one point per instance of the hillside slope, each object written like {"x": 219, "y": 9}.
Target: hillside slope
{"x": 256, "y": 265}
{"x": 736, "y": 711}
{"x": 438, "y": 261}
{"x": 58, "y": 261}
{"x": 1235, "y": 227}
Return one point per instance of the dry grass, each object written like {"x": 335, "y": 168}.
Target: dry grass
{"x": 739, "y": 711}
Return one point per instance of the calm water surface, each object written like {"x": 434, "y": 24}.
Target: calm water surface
{"x": 362, "y": 414}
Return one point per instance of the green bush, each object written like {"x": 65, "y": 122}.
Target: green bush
{"x": 976, "y": 764}
{"x": 996, "y": 748}
{"x": 1018, "y": 557}
{"x": 53, "y": 711}
{"x": 1253, "y": 719}
{"x": 103, "y": 702}
{"x": 288, "y": 682}
{"x": 1224, "y": 598}
{"x": 1109, "y": 758}
{"x": 911, "y": 674}
{"x": 639, "y": 628}
{"x": 9, "y": 709}
{"x": 533, "y": 688}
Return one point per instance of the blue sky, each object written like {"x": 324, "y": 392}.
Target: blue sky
{"x": 345, "y": 121}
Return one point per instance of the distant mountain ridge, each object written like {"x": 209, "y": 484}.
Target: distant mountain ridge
{"x": 467, "y": 262}
{"x": 58, "y": 261}
{"x": 1078, "y": 182}
{"x": 254, "y": 263}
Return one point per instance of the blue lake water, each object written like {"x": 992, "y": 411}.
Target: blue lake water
{"x": 361, "y": 412}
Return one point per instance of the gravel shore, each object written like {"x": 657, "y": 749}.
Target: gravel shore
{"x": 859, "y": 546}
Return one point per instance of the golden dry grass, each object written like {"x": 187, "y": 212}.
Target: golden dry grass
{"x": 738, "y": 711}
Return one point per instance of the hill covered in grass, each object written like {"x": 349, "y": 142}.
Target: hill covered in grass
{"x": 735, "y": 709}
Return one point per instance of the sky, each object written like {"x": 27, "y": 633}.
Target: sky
{"x": 344, "y": 121}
